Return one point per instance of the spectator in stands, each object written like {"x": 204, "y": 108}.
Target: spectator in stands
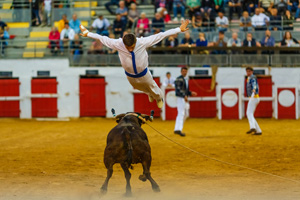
{"x": 197, "y": 22}
{"x": 3, "y": 37}
{"x": 66, "y": 35}
{"x": 288, "y": 40}
{"x": 159, "y": 4}
{"x": 171, "y": 41}
{"x": 96, "y": 48}
{"x": 142, "y": 27}
{"x": 129, "y": 2}
{"x": 3, "y": 25}
{"x": 250, "y": 5}
{"x": 123, "y": 11}
{"x": 193, "y": 6}
{"x": 54, "y": 40}
{"x": 207, "y": 6}
{"x": 101, "y": 24}
{"x": 165, "y": 15}
{"x": 62, "y": 22}
{"x": 202, "y": 42}
{"x": 208, "y": 23}
{"x": 235, "y": 6}
{"x": 76, "y": 49}
{"x": 268, "y": 40}
{"x": 35, "y": 5}
{"x": 259, "y": 20}
{"x": 133, "y": 15}
{"x": 219, "y": 6}
{"x": 267, "y": 5}
{"x": 118, "y": 27}
{"x": 158, "y": 24}
{"x": 168, "y": 81}
{"x": 112, "y": 51}
{"x": 111, "y": 3}
{"x": 220, "y": 41}
{"x": 245, "y": 22}
{"x": 187, "y": 40}
{"x": 222, "y": 22}
{"x": 47, "y": 12}
{"x": 234, "y": 41}
{"x": 75, "y": 23}
{"x": 282, "y": 7}
{"x": 275, "y": 20}
{"x": 249, "y": 42}
{"x": 288, "y": 20}
{"x": 178, "y": 6}
{"x": 293, "y": 5}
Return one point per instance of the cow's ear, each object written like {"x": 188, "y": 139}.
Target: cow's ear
{"x": 147, "y": 117}
{"x": 119, "y": 117}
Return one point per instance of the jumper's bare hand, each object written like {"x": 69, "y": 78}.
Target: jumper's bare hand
{"x": 83, "y": 30}
{"x": 184, "y": 25}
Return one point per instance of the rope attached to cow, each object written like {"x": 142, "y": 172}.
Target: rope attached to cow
{"x": 201, "y": 154}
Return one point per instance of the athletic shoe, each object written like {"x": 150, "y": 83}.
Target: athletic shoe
{"x": 150, "y": 99}
{"x": 160, "y": 103}
{"x": 179, "y": 133}
{"x": 175, "y": 19}
{"x": 252, "y": 130}
{"x": 257, "y": 133}
{"x": 181, "y": 19}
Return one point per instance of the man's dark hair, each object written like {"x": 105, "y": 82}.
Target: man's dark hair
{"x": 182, "y": 68}
{"x": 221, "y": 32}
{"x": 66, "y": 23}
{"x": 168, "y": 73}
{"x": 249, "y": 68}
{"x": 129, "y": 39}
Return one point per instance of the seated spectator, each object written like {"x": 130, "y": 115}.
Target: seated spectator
{"x": 293, "y": 5}
{"x": 75, "y": 23}
{"x": 235, "y": 6}
{"x": 168, "y": 81}
{"x": 220, "y": 41}
{"x": 187, "y": 40}
{"x": 245, "y": 22}
{"x": 165, "y": 15}
{"x": 282, "y": 7}
{"x": 96, "y": 48}
{"x": 249, "y": 42}
{"x": 197, "y": 22}
{"x": 207, "y": 6}
{"x": 158, "y": 24}
{"x": 129, "y": 2}
{"x": 3, "y": 25}
{"x": 208, "y": 23}
{"x": 234, "y": 41}
{"x": 133, "y": 15}
{"x": 76, "y": 48}
{"x": 288, "y": 21}
{"x": 178, "y": 6}
{"x": 66, "y": 36}
{"x": 171, "y": 41}
{"x": 62, "y": 22}
{"x": 222, "y": 22}
{"x": 202, "y": 42}
{"x": 123, "y": 11}
{"x": 259, "y": 20}
{"x": 3, "y": 37}
{"x": 193, "y": 6}
{"x": 110, "y": 3}
{"x": 118, "y": 27}
{"x": 250, "y": 5}
{"x": 142, "y": 27}
{"x": 219, "y": 6}
{"x": 267, "y": 5}
{"x": 289, "y": 41}
{"x": 112, "y": 51}
{"x": 268, "y": 40}
{"x": 101, "y": 25}
{"x": 54, "y": 40}
{"x": 275, "y": 20}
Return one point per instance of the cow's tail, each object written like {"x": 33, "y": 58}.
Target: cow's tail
{"x": 128, "y": 145}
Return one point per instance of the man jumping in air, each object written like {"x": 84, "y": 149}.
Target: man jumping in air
{"x": 134, "y": 58}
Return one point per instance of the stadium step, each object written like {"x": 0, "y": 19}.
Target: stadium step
{"x": 39, "y": 34}
{"x": 33, "y": 54}
{"x": 84, "y": 4}
{"x": 37, "y": 45}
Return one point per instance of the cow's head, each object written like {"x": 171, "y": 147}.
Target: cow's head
{"x": 138, "y": 117}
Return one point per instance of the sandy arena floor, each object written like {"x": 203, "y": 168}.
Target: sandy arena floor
{"x": 63, "y": 160}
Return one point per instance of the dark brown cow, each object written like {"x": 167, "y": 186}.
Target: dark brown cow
{"x": 127, "y": 144}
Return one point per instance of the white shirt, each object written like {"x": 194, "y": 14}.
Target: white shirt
{"x": 47, "y": 5}
{"x": 141, "y": 55}
{"x": 98, "y": 23}
{"x": 70, "y": 32}
{"x": 167, "y": 81}
{"x": 223, "y": 21}
{"x": 259, "y": 20}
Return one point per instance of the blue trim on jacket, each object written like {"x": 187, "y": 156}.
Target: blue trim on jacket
{"x": 251, "y": 85}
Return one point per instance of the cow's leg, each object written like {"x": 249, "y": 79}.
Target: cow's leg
{"x": 109, "y": 174}
{"x": 147, "y": 174}
{"x": 127, "y": 176}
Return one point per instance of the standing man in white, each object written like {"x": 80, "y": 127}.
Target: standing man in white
{"x": 252, "y": 92}
{"x": 134, "y": 58}
{"x": 182, "y": 92}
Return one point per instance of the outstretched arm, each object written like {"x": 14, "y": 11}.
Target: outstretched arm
{"x": 110, "y": 43}
{"x": 154, "y": 39}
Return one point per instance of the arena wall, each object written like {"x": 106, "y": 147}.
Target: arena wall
{"x": 119, "y": 93}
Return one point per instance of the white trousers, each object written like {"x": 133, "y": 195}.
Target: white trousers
{"x": 182, "y": 113}
{"x": 253, "y": 102}
{"x": 147, "y": 85}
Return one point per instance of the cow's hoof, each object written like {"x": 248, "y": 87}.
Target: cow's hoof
{"x": 156, "y": 189}
{"x": 143, "y": 178}
{"x": 103, "y": 190}
{"x": 128, "y": 194}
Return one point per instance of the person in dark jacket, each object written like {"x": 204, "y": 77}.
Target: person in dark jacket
{"x": 207, "y": 6}
{"x": 35, "y": 4}
{"x": 118, "y": 26}
{"x": 249, "y": 42}
{"x": 182, "y": 92}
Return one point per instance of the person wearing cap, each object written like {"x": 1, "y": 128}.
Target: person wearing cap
{"x": 134, "y": 58}
{"x": 101, "y": 24}
{"x": 252, "y": 92}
